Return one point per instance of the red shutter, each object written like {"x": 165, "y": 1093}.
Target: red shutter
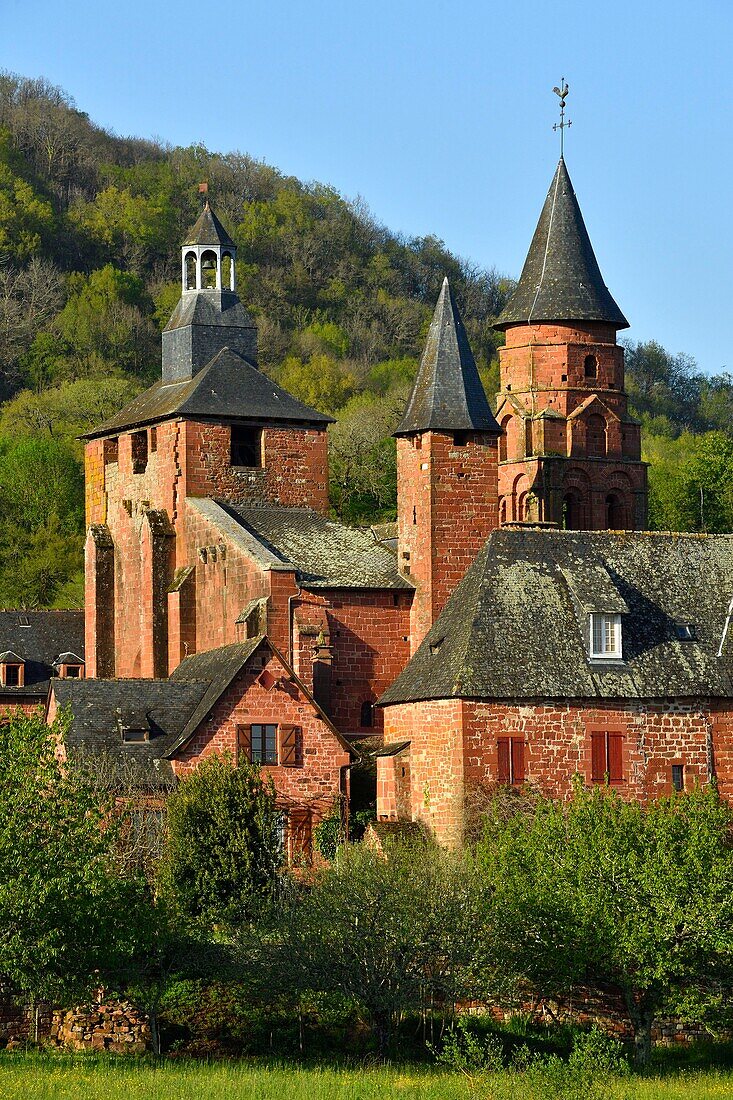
{"x": 503, "y": 771}
{"x": 598, "y": 757}
{"x": 615, "y": 757}
{"x": 287, "y": 745}
{"x": 244, "y": 743}
{"x": 517, "y": 760}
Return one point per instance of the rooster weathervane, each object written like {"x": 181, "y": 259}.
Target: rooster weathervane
{"x": 562, "y": 92}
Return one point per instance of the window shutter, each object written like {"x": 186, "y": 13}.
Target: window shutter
{"x": 244, "y": 743}
{"x": 286, "y": 746}
{"x": 598, "y": 757}
{"x": 503, "y": 772}
{"x": 615, "y": 757}
{"x": 517, "y": 760}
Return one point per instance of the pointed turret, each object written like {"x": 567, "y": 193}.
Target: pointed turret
{"x": 561, "y": 280}
{"x": 447, "y": 395}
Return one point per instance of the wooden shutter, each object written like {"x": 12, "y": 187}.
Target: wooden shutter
{"x": 598, "y": 757}
{"x": 517, "y": 760}
{"x": 503, "y": 771}
{"x": 244, "y": 743}
{"x": 287, "y": 745}
{"x": 615, "y": 757}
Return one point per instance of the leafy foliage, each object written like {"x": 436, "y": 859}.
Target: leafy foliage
{"x": 64, "y": 912}
{"x": 223, "y": 850}
{"x": 615, "y": 896}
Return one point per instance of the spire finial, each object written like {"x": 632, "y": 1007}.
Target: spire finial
{"x": 562, "y": 92}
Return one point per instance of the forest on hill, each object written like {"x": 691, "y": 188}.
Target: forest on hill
{"x": 90, "y": 232}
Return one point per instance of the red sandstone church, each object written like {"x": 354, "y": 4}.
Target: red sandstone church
{"x": 525, "y": 628}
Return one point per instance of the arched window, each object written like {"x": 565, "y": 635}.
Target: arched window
{"x": 616, "y": 519}
{"x": 502, "y": 510}
{"x": 367, "y": 715}
{"x": 208, "y": 270}
{"x": 227, "y": 271}
{"x": 503, "y": 438}
{"x": 595, "y": 436}
{"x": 190, "y": 271}
{"x": 591, "y": 366}
{"x": 571, "y": 513}
{"x": 522, "y": 507}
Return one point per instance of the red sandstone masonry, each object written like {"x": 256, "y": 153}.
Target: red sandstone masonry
{"x": 454, "y": 743}
{"x": 543, "y": 369}
{"x": 447, "y": 507}
{"x": 317, "y": 781}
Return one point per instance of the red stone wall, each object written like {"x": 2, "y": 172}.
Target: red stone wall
{"x": 435, "y": 732}
{"x": 135, "y": 626}
{"x": 447, "y": 507}
{"x": 370, "y": 633}
{"x": 316, "y": 782}
{"x": 455, "y": 743}
{"x": 547, "y": 458}
{"x": 295, "y": 470}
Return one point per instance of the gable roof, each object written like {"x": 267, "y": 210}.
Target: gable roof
{"x": 561, "y": 279}
{"x": 516, "y": 627}
{"x": 227, "y": 388}
{"x": 447, "y": 395}
{"x": 39, "y": 638}
{"x": 100, "y": 708}
{"x": 208, "y": 230}
{"x": 323, "y": 552}
{"x": 217, "y": 667}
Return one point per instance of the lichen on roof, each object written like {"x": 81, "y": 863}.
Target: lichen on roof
{"x": 517, "y": 626}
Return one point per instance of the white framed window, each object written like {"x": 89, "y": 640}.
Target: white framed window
{"x": 605, "y": 637}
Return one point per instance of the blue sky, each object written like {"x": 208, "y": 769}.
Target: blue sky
{"x": 439, "y": 116}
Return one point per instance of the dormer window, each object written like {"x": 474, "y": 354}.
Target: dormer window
{"x": 69, "y": 666}
{"x": 246, "y": 448}
{"x": 12, "y": 670}
{"x": 605, "y": 637}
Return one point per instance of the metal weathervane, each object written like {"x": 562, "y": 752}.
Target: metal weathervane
{"x": 562, "y": 92}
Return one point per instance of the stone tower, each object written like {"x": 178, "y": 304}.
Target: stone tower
{"x": 447, "y": 449}
{"x": 214, "y": 427}
{"x": 570, "y": 452}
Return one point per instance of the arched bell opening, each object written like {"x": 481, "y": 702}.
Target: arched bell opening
{"x": 227, "y": 271}
{"x": 189, "y": 269}
{"x": 209, "y": 271}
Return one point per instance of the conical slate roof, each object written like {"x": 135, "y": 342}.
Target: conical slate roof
{"x": 447, "y": 395}
{"x": 561, "y": 280}
{"x": 208, "y": 230}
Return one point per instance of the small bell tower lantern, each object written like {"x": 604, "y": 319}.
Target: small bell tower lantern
{"x": 208, "y": 253}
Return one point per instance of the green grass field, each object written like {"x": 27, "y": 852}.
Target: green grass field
{"x": 34, "y": 1077}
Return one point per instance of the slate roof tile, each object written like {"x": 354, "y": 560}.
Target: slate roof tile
{"x": 516, "y": 627}
{"x": 227, "y": 388}
{"x": 39, "y": 637}
{"x": 448, "y": 394}
{"x": 561, "y": 279}
{"x": 323, "y": 552}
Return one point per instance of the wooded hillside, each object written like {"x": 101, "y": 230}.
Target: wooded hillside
{"x": 90, "y": 232}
